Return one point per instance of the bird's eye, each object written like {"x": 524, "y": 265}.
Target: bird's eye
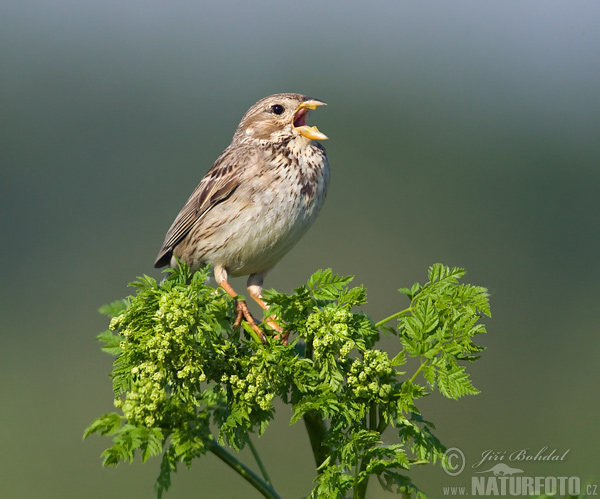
{"x": 277, "y": 109}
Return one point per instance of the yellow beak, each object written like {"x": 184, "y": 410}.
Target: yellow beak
{"x": 311, "y": 132}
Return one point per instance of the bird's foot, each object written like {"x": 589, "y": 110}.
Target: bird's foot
{"x": 244, "y": 312}
{"x": 281, "y": 335}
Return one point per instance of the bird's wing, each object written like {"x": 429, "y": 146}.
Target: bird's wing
{"x": 217, "y": 185}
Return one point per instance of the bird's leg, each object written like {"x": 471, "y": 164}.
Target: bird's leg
{"x": 255, "y": 282}
{"x": 239, "y": 313}
{"x": 242, "y": 307}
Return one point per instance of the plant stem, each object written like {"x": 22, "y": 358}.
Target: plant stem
{"x": 315, "y": 426}
{"x": 316, "y": 429}
{"x": 373, "y": 417}
{"x": 423, "y": 364}
{"x": 243, "y": 470}
{"x": 360, "y": 488}
{"x": 263, "y": 470}
{"x": 382, "y": 425}
{"x": 397, "y": 314}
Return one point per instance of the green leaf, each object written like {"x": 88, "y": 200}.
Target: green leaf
{"x": 153, "y": 445}
{"x": 399, "y": 359}
{"x": 182, "y": 371}
{"x": 112, "y": 342}
{"x": 325, "y": 284}
{"x": 168, "y": 465}
{"x": 115, "y": 308}
{"x": 105, "y": 425}
{"x": 455, "y": 383}
{"x": 426, "y": 315}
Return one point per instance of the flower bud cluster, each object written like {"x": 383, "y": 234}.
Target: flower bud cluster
{"x": 331, "y": 329}
{"x": 174, "y": 313}
{"x": 371, "y": 377}
{"x": 254, "y": 389}
{"x": 146, "y": 395}
{"x": 163, "y": 354}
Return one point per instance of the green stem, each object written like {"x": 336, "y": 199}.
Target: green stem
{"x": 381, "y": 426}
{"x": 360, "y": 488}
{"x": 316, "y": 429}
{"x": 263, "y": 470}
{"x": 243, "y": 470}
{"x": 315, "y": 425}
{"x": 373, "y": 417}
{"x": 355, "y": 488}
{"x": 308, "y": 353}
{"x": 423, "y": 364}
{"x": 397, "y": 314}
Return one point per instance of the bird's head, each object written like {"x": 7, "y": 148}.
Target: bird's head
{"x": 279, "y": 117}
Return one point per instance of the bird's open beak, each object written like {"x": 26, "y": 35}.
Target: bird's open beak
{"x": 311, "y": 132}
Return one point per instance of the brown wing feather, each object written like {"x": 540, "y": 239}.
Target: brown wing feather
{"x": 218, "y": 184}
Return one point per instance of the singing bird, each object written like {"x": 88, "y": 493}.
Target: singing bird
{"x": 258, "y": 199}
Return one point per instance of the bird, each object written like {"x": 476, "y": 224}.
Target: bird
{"x": 257, "y": 200}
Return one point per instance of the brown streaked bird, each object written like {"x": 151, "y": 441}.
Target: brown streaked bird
{"x": 257, "y": 200}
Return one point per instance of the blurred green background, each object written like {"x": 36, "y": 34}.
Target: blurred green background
{"x": 460, "y": 132}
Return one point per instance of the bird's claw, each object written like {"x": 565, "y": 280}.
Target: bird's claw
{"x": 280, "y": 334}
{"x": 244, "y": 312}
{"x": 283, "y": 337}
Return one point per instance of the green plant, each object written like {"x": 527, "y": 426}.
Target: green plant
{"x": 181, "y": 369}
